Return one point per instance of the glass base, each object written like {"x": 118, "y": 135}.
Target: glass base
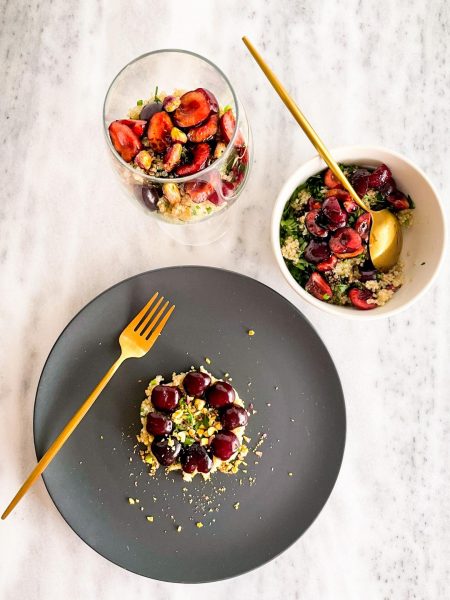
{"x": 197, "y": 234}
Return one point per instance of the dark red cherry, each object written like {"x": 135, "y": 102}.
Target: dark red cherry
{"x": 194, "y": 458}
{"x": 234, "y": 416}
{"x": 220, "y": 394}
{"x": 332, "y": 211}
{"x": 165, "y": 397}
{"x": 166, "y": 450}
{"x": 360, "y": 181}
{"x": 312, "y": 226}
{"x": 398, "y": 200}
{"x": 318, "y": 287}
{"x": 316, "y": 252}
{"x": 359, "y": 299}
{"x": 345, "y": 241}
{"x": 225, "y": 444}
{"x": 379, "y": 177}
{"x": 195, "y": 383}
{"x": 362, "y": 226}
{"x": 158, "y": 423}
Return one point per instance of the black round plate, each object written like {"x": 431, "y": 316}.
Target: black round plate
{"x": 295, "y": 390}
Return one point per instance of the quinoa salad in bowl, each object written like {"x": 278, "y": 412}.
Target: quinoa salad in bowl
{"x": 320, "y": 236}
{"x": 324, "y": 236}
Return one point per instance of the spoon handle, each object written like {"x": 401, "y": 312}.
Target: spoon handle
{"x": 304, "y": 123}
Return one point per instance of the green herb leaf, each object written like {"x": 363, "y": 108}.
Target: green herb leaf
{"x": 139, "y": 103}
{"x": 289, "y": 226}
{"x": 189, "y": 441}
{"x": 156, "y": 99}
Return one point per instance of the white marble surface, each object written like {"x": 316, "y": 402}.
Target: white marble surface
{"x": 365, "y": 72}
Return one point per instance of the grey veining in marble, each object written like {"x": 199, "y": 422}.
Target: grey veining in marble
{"x": 364, "y": 72}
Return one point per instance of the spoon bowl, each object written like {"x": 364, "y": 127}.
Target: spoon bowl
{"x": 385, "y": 241}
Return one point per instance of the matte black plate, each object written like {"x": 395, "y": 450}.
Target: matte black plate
{"x": 296, "y": 392}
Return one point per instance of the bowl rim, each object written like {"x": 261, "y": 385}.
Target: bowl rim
{"x": 296, "y": 179}
{"x": 149, "y": 179}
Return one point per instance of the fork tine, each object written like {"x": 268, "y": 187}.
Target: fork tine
{"x": 160, "y": 326}
{"x": 147, "y": 326}
{"x": 141, "y": 314}
{"x": 143, "y": 324}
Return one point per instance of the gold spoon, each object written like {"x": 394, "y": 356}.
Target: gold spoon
{"x": 385, "y": 241}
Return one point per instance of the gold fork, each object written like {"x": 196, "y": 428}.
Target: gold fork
{"x": 135, "y": 341}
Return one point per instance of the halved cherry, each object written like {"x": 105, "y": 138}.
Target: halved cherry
{"x": 359, "y": 299}
{"x": 213, "y": 104}
{"x": 124, "y": 140}
{"x": 318, "y": 287}
{"x": 398, "y": 200}
{"x": 388, "y": 188}
{"x": 362, "y": 226}
{"x": 159, "y": 129}
{"x": 194, "y": 108}
{"x": 316, "y": 252}
{"x": 227, "y": 127}
{"x": 312, "y": 226}
{"x": 360, "y": 181}
{"x": 332, "y": 211}
{"x": 313, "y": 204}
{"x": 379, "y": 177}
{"x": 137, "y": 125}
{"x": 330, "y": 180}
{"x": 356, "y": 252}
{"x": 204, "y": 132}
{"x": 200, "y": 191}
{"x": 200, "y": 155}
{"x": 345, "y": 241}
{"x": 344, "y": 197}
{"x": 328, "y": 264}
{"x": 338, "y": 193}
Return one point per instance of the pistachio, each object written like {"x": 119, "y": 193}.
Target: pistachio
{"x": 219, "y": 150}
{"x": 171, "y": 193}
{"x": 144, "y": 160}
{"x": 178, "y": 136}
{"x": 199, "y": 404}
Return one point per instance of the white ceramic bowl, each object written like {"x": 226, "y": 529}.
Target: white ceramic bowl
{"x": 423, "y": 243}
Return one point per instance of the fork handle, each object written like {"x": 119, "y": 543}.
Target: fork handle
{"x": 63, "y": 436}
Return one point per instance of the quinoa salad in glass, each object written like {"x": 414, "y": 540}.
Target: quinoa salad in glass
{"x": 177, "y": 136}
{"x": 324, "y": 236}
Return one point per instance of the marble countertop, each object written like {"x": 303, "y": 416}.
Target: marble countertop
{"x": 364, "y": 72}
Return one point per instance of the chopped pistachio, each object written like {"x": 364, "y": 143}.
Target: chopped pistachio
{"x": 131, "y": 501}
{"x": 251, "y": 332}
{"x": 199, "y": 524}
{"x": 149, "y": 519}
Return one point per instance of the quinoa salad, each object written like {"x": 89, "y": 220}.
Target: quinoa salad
{"x": 177, "y": 135}
{"x": 194, "y": 423}
{"x": 324, "y": 236}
